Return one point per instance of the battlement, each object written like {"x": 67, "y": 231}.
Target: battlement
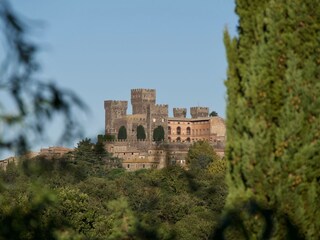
{"x": 115, "y": 104}
{"x": 197, "y": 112}
{"x": 162, "y": 105}
{"x": 139, "y": 90}
{"x": 199, "y": 108}
{"x": 180, "y": 112}
{"x": 143, "y": 94}
{"x": 161, "y": 109}
{"x": 141, "y": 98}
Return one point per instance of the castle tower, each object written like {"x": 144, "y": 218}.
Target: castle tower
{"x": 159, "y": 117}
{"x": 114, "y": 110}
{"x": 197, "y": 112}
{"x": 179, "y": 112}
{"x": 141, "y": 98}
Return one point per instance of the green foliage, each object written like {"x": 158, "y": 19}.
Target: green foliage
{"x": 200, "y": 155}
{"x": 158, "y": 134}
{"x": 141, "y": 134}
{"x": 23, "y": 213}
{"x": 99, "y": 147}
{"x": 109, "y": 137}
{"x": 148, "y": 204}
{"x": 122, "y": 134}
{"x": 218, "y": 167}
{"x": 213, "y": 114}
{"x": 272, "y": 115}
{"x": 93, "y": 157}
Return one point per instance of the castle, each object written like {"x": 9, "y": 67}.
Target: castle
{"x": 145, "y": 149}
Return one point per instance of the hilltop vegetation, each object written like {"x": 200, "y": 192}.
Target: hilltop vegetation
{"x": 84, "y": 197}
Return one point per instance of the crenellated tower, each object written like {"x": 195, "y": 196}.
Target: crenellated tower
{"x": 157, "y": 115}
{"x": 198, "y": 112}
{"x": 141, "y": 99}
{"x": 179, "y": 112}
{"x": 114, "y": 110}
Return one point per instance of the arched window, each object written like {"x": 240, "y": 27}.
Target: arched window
{"x": 178, "y": 139}
{"x": 169, "y": 139}
{"x": 178, "y": 130}
{"x": 188, "y": 139}
{"x": 188, "y": 130}
{"x": 169, "y": 130}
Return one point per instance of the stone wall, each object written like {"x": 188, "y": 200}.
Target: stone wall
{"x": 114, "y": 110}
{"x": 143, "y": 154}
{"x": 179, "y": 112}
{"x": 141, "y": 98}
{"x": 197, "y": 112}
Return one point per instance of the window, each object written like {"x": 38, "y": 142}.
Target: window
{"x": 169, "y": 130}
{"x": 128, "y": 166}
{"x": 178, "y": 130}
{"x": 143, "y": 166}
{"x": 188, "y": 130}
{"x": 178, "y": 139}
{"x": 188, "y": 140}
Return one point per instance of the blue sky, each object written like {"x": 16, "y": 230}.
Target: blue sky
{"x": 103, "y": 48}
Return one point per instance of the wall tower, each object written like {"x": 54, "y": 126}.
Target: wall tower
{"x": 198, "y": 112}
{"x": 114, "y": 110}
{"x": 179, "y": 112}
{"x": 141, "y": 98}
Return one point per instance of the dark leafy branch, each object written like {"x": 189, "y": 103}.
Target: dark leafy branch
{"x": 32, "y": 102}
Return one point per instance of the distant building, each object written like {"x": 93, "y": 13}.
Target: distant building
{"x": 179, "y": 131}
{"x": 49, "y": 153}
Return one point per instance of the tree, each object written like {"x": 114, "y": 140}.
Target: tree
{"x": 141, "y": 134}
{"x": 272, "y": 114}
{"x": 84, "y": 149}
{"x": 99, "y": 147}
{"x": 158, "y": 134}
{"x": 213, "y": 114}
{"x": 122, "y": 134}
{"x": 200, "y": 155}
{"x": 35, "y": 102}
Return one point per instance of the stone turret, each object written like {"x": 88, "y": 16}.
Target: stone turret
{"x": 114, "y": 110}
{"x": 197, "y": 112}
{"x": 179, "y": 112}
{"x": 141, "y": 99}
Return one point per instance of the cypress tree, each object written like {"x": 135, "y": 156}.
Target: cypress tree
{"x": 141, "y": 134}
{"x": 158, "y": 134}
{"x": 122, "y": 134}
{"x": 273, "y": 123}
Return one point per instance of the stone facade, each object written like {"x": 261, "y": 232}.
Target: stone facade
{"x": 49, "y": 153}
{"x": 179, "y": 131}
